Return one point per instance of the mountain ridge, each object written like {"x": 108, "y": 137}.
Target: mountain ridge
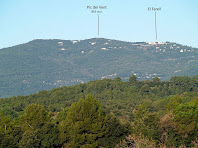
{"x": 95, "y": 38}
{"x": 46, "y": 64}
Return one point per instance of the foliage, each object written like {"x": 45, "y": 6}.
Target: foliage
{"x": 35, "y": 117}
{"x": 187, "y": 121}
{"x": 87, "y": 125}
{"x": 136, "y": 141}
{"x": 174, "y": 102}
{"x": 163, "y": 112}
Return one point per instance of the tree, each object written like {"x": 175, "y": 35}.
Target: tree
{"x": 146, "y": 122}
{"x": 38, "y": 129}
{"x": 5, "y": 124}
{"x": 179, "y": 85}
{"x": 133, "y": 80}
{"x": 8, "y": 112}
{"x": 29, "y": 139}
{"x": 6, "y": 132}
{"x": 48, "y": 135}
{"x": 35, "y": 117}
{"x": 145, "y": 89}
{"x": 87, "y": 125}
{"x": 84, "y": 124}
{"x": 116, "y": 132}
{"x": 142, "y": 109}
{"x": 156, "y": 81}
{"x": 62, "y": 115}
{"x": 169, "y": 136}
{"x": 187, "y": 120}
{"x": 174, "y": 102}
{"x": 118, "y": 79}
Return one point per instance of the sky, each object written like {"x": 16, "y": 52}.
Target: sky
{"x": 128, "y": 20}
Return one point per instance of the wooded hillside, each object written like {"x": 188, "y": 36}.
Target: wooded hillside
{"x": 104, "y": 113}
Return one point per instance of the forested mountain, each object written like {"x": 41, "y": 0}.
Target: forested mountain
{"x": 105, "y": 113}
{"x": 46, "y": 64}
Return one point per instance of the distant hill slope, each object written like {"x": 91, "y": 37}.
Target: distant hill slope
{"x": 46, "y": 64}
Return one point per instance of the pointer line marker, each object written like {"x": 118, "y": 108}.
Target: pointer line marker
{"x": 156, "y": 25}
{"x": 98, "y": 25}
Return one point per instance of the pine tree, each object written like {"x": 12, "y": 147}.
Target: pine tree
{"x": 85, "y": 124}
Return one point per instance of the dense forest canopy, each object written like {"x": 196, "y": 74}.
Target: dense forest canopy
{"x": 104, "y": 113}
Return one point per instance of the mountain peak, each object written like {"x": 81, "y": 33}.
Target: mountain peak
{"x": 46, "y": 64}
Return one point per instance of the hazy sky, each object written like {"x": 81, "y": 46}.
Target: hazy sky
{"x": 128, "y": 20}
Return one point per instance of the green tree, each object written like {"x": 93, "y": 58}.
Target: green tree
{"x": 118, "y": 79}
{"x": 116, "y": 132}
{"x": 146, "y": 122}
{"x": 6, "y": 132}
{"x": 10, "y": 132}
{"x": 174, "y": 102}
{"x": 187, "y": 120}
{"x": 179, "y": 85}
{"x": 142, "y": 109}
{"x": 145, "y": 89}
{"x": 35, "y": 117}
{"x": 48, "y": 135}
{"x": 62, "y": 115}
{"x": 8, "y": 112}
{"x": 5, "y": 124}
{"x": 38, "y": 129}
{"x": 156, "y": 81}
{"x": 133, "y": 80}
{"x": 85, "y": 124}
{"x": 29, "y": 139}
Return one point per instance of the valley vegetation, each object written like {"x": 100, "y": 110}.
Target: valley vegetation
{"x": 104, "y": 113}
